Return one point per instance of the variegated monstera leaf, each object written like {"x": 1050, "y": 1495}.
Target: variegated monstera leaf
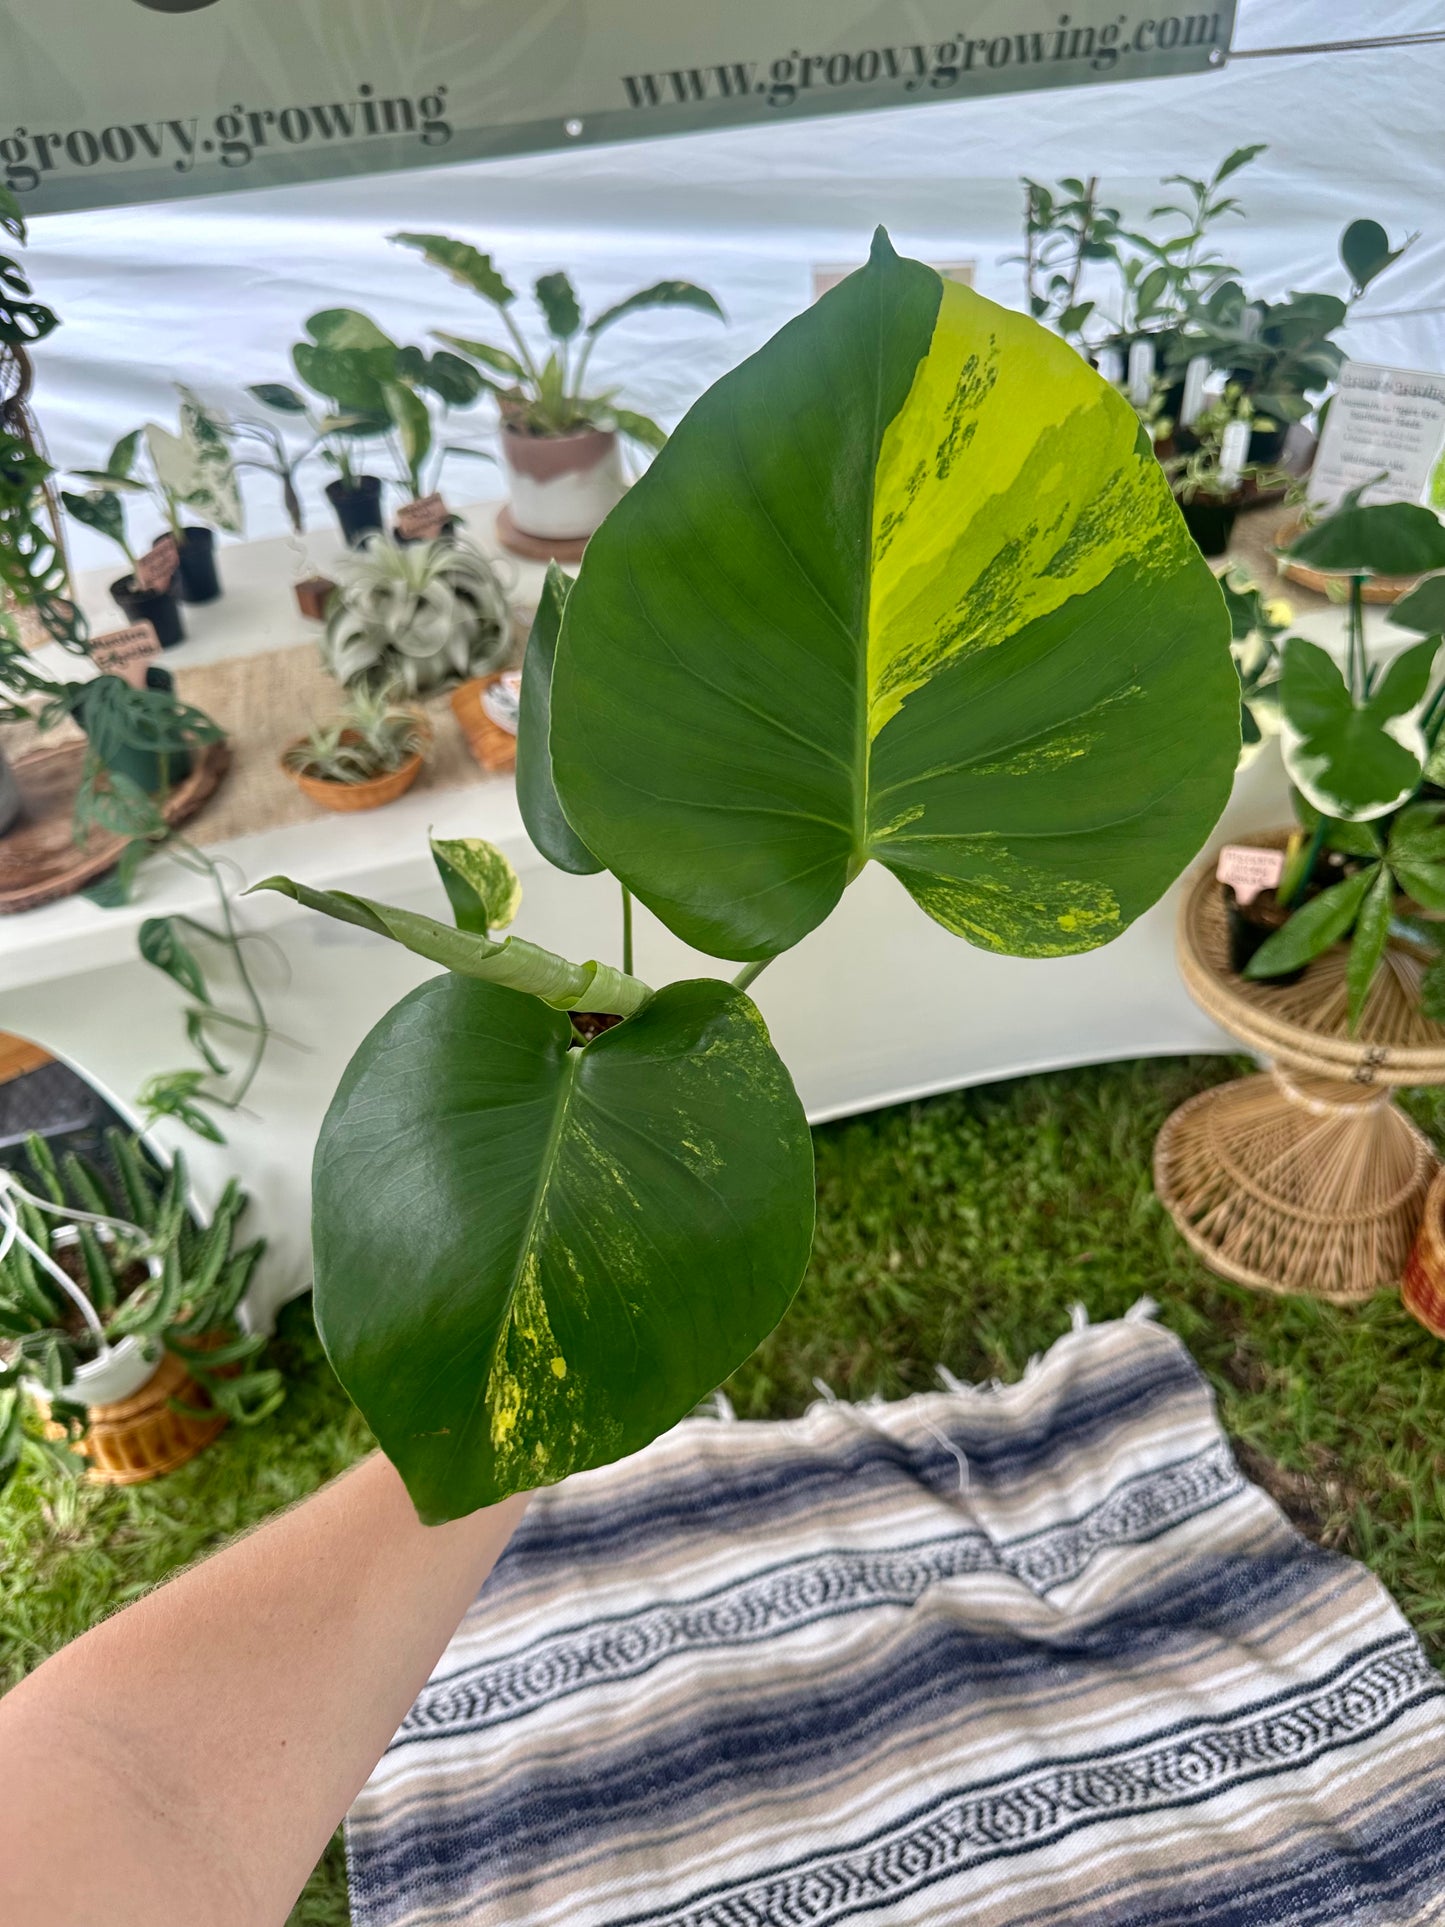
{"x": 907, "y": 586}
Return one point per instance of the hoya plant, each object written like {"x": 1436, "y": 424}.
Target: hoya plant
{"x": 906, "y": 587}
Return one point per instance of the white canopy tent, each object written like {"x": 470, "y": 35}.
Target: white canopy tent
{"x": 213, "y": 290}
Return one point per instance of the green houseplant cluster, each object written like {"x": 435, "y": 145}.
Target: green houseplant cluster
{"x": 906, "y": 587}
{"x": 141, "y": 1268}
{"x": 1364, "y": 748}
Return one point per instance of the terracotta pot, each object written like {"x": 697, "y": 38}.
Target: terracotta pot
{"x": 562, "y": 486}
{"x": 369, "y": 795}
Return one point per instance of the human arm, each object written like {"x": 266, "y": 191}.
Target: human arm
{"x": 189, "y": 1759}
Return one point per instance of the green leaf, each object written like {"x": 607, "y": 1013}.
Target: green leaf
{"x": 352, "y": 378}
{"x": 1417, "y": 853}
{"x": 113, "y": 892}
{"x": 121, "y": 461}
{"x": 906, "y": 585}
{"x": 536, "y": 792}
{"x": 662, "y": 294}
{"x": 1372, "y": 931}
{"x": 496, "y": 359}
{"x": 278, "y": 395}
{"x": 1312, "y": 929}
{"x": 518, "y": 965}
{"x": 409, "y": 417}
{"x": 173, "y": 1094}
{"x": 453, "y": 381}
{"x": 641, "y": 428}
{"x": 101, "y": 510}
{"x": 1365, "y": 252}
{"x": 1353, "y": 762}
{"x": 483, "y": 889}
{"x": 1423, "y": 609}
{"x": 344, "y": 328}
{"x": 463, "y": 263}
{"x": 200, "y": 1042}
{"x": 531, "y": 1259}
{"x": 162, "y": 944}
{"x": 1241, "y": 157}
{"x": 1374, "y": 538}
{"x": 557, "y": 299}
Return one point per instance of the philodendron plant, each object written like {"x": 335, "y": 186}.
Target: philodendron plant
{"x": 906, "y": 587}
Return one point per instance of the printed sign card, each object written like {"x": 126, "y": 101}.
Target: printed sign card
{"x": 126, "y": 652}
{"x": 155, "y": 571}
{"x": 425, "y": 520}
{"x": 1247, "y": 870}
{"x": 1388, "y": 421}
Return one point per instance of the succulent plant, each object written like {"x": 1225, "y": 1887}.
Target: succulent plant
{"x": 372, "y": 736}
{"x": 414, "y": 617}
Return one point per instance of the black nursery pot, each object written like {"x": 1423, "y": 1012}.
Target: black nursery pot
{"x": 196, "y": 577}
{"x": 1210, "y": 523}
{"x": 145, "y": 767}
{"x": 358, "y": 507}
{"x": 155, "y": 606}
{"x": 1266, "y": 445}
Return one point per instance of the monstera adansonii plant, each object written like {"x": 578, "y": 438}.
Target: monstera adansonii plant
{"x": 906, "y": 587}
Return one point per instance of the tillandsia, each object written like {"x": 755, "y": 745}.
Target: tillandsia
{"x": 414, "y": 616}
{"x": 907, "y": 587}
{"x": 1364, "y": 747}
{"x": 373, "y": 735}
{"x": 545, "y": 392}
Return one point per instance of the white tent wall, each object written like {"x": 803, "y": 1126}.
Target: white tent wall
{"x": 213, "y": 291}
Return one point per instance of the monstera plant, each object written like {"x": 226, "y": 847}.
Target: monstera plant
{"x": 906, "y": 587}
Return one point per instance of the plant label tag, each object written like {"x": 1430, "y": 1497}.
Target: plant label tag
{"x": 1386, "y": 422}
{"x": 1247, "y": 870}
{"x": 1233, "y": 453}
{"x": 126, "y": 652}
{"x": 425, "y": 520}
{"x": 155, "y": 571}
{"x": 1195, "y": 376}
{"x": 1141, "y": 372}
{"x": 501, "y": 699}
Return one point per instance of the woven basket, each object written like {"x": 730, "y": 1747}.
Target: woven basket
{"x": 140, "y": 1437}
{"x": 1422, "y": 1289}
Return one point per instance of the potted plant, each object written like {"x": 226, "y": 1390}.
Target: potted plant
{"x": 1362, "y": 747}
{"x": 101, "y": 1280}
{"x": 144, "y": 593}
{"x": 372, "y": 388}
{"x": 1208, "y": 476}
{"x": 368, "y": 755}
{"x": 559, "y": 442}
{"x": 415, "y": 617}
{"x": 553, "y": 1204}
{"x": 191, "y": 471}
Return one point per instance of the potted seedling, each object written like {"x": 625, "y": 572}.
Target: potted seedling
{"x": 415, "y": 617}
{"x": 369, "y": 754}
{"x": 144, "y": 593}
{"x": 559, "y": 440}
{"x": 110, "y": 1288}
{"x": 187, "y": 473}
{"x": 1362, "y": 747}
{"x": 554, "y": 1204}
{"x": 1208, "y": 476}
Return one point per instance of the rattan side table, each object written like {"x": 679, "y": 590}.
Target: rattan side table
{"x": 1309, "y": 1177}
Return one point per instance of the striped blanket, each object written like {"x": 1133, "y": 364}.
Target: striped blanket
{"x": 1031, "y": 1655}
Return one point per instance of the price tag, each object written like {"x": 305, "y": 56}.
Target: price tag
{"x": 1141, "y": 372}
{"x": 1195, "y": 376}
{"x": 1233, "y": 453}
{"x": 156, "y": 569}
{"x": 1247, "y": 870}
{"x": 423, "y": 521}
{"x": 126, "y": 652}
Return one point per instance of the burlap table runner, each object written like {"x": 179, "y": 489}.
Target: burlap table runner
{"x": 265, "y": 702}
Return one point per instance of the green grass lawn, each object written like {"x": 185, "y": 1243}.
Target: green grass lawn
{"x": 956, "y": 1232}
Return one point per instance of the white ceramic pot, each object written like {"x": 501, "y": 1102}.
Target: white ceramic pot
{"x": 562, "y": 486}
{"x": 118, "y": 1373}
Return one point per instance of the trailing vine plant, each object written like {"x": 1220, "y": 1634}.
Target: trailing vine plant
{"x": 905, "y": 587}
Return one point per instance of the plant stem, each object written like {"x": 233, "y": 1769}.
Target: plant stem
{"x": 626, "y": 929}
{"x": 1290, "y": 886}
{"x": 1357, "y": 639}
{"x": 1085, "y": 224}
{"x": 524, "y": 354}
{"x": 750, "y": 972}
{"x": 230, "y": 937}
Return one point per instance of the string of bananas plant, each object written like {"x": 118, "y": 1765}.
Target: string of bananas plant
{"x": 906, "y": 587}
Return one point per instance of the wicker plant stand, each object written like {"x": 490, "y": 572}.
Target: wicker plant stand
{"x": 140, "y": 1437}
{"x": 1307, "y": 1178}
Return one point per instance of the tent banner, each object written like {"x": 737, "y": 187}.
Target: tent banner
{"x": 145, "y": 100}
